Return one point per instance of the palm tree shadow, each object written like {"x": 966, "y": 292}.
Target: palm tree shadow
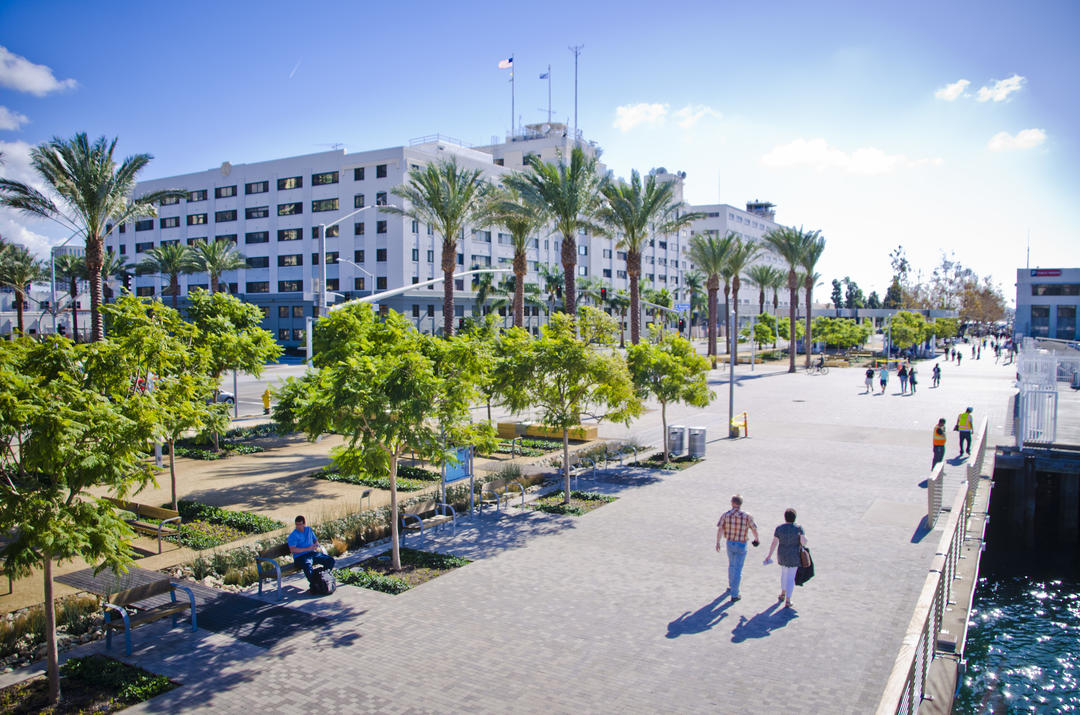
{"x": 700, "y": 620}
{"x": 763, "y": 624}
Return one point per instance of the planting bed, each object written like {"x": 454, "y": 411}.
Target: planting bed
{"x": 580, "y": 503}
{"x": 417, "y": 567}
{"x": 94, "y": 684}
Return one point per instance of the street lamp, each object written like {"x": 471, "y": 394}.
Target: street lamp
{"x": 322, "y": 255}
{"x": 731, "y": 385}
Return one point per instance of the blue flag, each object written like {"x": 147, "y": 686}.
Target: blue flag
{"x": 545, "y": 75}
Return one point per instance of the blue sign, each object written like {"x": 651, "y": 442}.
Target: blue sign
{"x": 682, "y": 306}
{"x": 461, "y": 470}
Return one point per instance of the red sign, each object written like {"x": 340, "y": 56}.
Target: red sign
{"x": 1045, "y": 272}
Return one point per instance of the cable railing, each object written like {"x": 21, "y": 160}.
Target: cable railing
{"x": 905, "y": 689}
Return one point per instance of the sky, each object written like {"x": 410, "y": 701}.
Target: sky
{"x": 939, "y": 126}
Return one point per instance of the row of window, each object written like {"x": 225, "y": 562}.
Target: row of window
{"x": 324, "y": 178}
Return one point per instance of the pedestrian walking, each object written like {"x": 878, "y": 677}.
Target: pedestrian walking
{"x": 978, "y": 355}
{"x": 902, "y": 373}
{"x": 869, "y": 379}
{"x": 936, "y": 373}
{"x": 788, "y": 540}
{"x": 958, "y": 356}
{"x": 964, "y": 425}
{"x": 733, "y": 526}
{"x": 912, "y": 379}
{"x": 939, "y": 443}
{"x": 883, "y": 377}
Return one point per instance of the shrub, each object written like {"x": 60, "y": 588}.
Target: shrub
{"x": 267, "y": 429}
{"x": 241, "y": 576}
{"x": 31, "y": 623}
{"x": 243, "y": 521}
{"x": 418, "y": 473}
{"x": 201, "y": 535}
{"x": 195, "y": 453}
{"x": 431, "y": 560}
{"x": 364, "y": 480}
{"x": 239, "y": 448}
{"x": 132, "y": 685}
{"x": 200, "y": 568}
{"x": 372, "y": 580}
{"x": 565, "y": 509}
{"x": 77, "y": 615}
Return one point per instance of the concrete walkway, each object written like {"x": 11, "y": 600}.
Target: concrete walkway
{"x": 624, "y": 609}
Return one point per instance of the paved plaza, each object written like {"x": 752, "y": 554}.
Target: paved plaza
{"x": 624, "y": 609}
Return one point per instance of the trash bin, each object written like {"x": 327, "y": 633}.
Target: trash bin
{"x": 676, "y": 439}
{"x": 697, "y": 442}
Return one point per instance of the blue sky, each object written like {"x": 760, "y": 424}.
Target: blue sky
{"x": 851, "y": 117}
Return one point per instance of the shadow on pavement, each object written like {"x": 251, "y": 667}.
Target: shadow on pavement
{"x": 921, "y": 531}
{"x": 700, "y": 620}
{"x": 763, "y": 624}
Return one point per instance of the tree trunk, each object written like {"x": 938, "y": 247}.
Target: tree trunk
{"x": 809, "y": 292}
{"x": 94, "y": 258}
{"x": 520, "y": 268}
{"x": 172, "y": 469}
{"x": 449, "y": 261}
{"x": 50, "y": 634}
{"x": 395, "y": 549}
{"x": 761, "y": 301}
{"x": 633, "y": 267}
{"x": 794, "y": 297}
{"x": 622, "y": 329}
{"x": 174, "y": 288}
{"x": 566, "y": 466}
{"x": 727, "y": 316}
{"x": 713, "y": 319}
{"x": 214, "y": 284}
{"x": 569, "y": 262}
{"x": 19, "y": 298}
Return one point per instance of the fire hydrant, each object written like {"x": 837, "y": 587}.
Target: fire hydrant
{"x": 266, "y": 401}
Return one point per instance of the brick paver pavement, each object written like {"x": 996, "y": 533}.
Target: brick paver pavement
{"x": 623, "y": 609}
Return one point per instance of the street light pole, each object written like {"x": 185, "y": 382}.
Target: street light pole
{"x": 322, "y": 256}
{"x": 731, "y": 386}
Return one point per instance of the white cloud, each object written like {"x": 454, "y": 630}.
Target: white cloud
{"x": 11, "y": 120}
{"x": 629, "y": 116}
{"x": 818, "y": 154}
{"x": 15, "y": 226}
{"x": 22, "y": 75}
{"x": 952, "y": 91}
{"x": 1024, "y": 139}
{"x": 691, "y": 114}
{"x": 1000, "y": 89}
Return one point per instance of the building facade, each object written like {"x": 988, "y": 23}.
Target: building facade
{"x": 1047, "y": 300}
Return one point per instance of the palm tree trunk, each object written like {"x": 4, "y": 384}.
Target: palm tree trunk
{"x": 622, "y": 328}
{"x": 761, "y": 301}
{"x": 713, "y": 290}
{"x": 174, "y": 288}
{"x": 94, "y": 258}
{"x": 794, "y": 298}
{"x": 727, "y": 316}
{"x": 214, "y": 284}
{"x": 633, "y": 267}
{"x": 395, "y": 548}
{"x": 569, "y": 262}
{"x": 449, "y": 258}
{"x": 809, "y": 292}
{"x": 19, "y": 298}
{"x": 520, "y": 267}
{"x": 50, "y": 633}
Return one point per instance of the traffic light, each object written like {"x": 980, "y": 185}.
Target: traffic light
{"x": 127, "y": 281}
{"x": 682, "y": 324}
{"x": 603, "y": 294}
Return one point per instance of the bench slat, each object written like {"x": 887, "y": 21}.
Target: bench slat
{"x": 151, "y": 614}
{"x": 140, "y": 593}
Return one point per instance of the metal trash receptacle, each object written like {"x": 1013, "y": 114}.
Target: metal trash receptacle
{"x": 676, "y": 439}
{"x": 697, "y": 442}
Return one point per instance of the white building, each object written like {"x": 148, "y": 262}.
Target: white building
{"x": 1047, "y": 300}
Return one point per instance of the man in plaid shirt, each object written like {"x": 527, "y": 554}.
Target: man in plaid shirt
{"x": 733, "y": 526}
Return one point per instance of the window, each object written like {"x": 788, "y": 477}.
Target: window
{"x": 583, "y": 270}
{"x": 230, "y": 237}
{"x": 1055, "y": 288}
{"x": 380, "y": 171}
{"x": 257, "y": 287}
{"x": 257, "y": 187}
{"x": 416, "y": 279}
{"x": 663, "y": 244}
{"x": 331, "y": 258}
{"x": 358, "y": 228}
{"x": 196, "y": 196}
{"x": 289, "y": 234}
{"x": 324, "y": 205}
{"x": 283, "y": 311}
{"x": 333, "y": 284}
{"x": 607, "y": 273}
{"x": 196, "y": 219}
{"x": 416, "y": 254}
{"x": 224, "y": 192}
{"x": 292, "y": 209}
{"x": 380, "y": 283}
{"x": 325, "y": 178}
{"x": 283, "y": 333}
{"x": 484, "y": 236}
{"x": 123, "y": 228}
{"x": 298, "y": 334}
{"x": 257, "y": 212}
{"x": 290, "y": 286}
{"x": 415, "y": 310}
{"x": 358, "y": 256}
{"x": 143, "y": 247}
{"x": 123, "y": 249}
{"x": 258, "y": 262}
{"x": 650, "y": 259}
{"x": 144, "y": 291}
{"x": 1040, "y": 321}
{"x": 621, "y": 255}
{"x": 293, "y": 182}
{"x": 257, "y": 237}
{"x": 170, "y": 222}
{"x": 431, "y": 256}
{"x": 380, "y": 198}
{"x": 583, "y": 250}
{"x": 358, "y": 201}
{"x": 224, "y": 216}
{"x": 620, "y": 274}
{"x": 331, "y": 232}
{"x": 1066, "y": 322}
{"x": 358, "y": 283}
{"x": 430, "y": 230}
{"x": 169, "y": 201}
{"x": 380, "y": 227}
{"x": 290, "y": 259}
{"x": 415, "y": 226}
{"x": 461, "y": 259}
{"x": 197, "y": 240}
{"x": 484, "y": 261}
{"x": 358, "y": 173}
{"x": 380, "y": 255}
{"x": 146, "y": 224}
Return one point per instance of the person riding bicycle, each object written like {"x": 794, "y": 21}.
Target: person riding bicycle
{"x": 820, "y": 362}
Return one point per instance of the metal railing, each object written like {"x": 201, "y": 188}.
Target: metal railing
{"x": 906, "y": 687}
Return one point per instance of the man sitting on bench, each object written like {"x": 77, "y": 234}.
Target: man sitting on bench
{"x": 304, "y": 547}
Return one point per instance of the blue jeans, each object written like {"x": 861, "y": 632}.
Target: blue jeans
{"x": 308, "y": 559}
{"x": 965, "y": 437}
{"x": 736, "y": 555}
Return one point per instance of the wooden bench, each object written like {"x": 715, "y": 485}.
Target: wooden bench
{"x": 498, "y": 491}
{"x": 123, "y": 601}
{"x": 428, "y": 514}
{"x": 144, "y": 511}
{"x": 273, "y": 566}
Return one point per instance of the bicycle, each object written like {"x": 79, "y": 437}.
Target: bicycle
{"x": 817, "y": 370}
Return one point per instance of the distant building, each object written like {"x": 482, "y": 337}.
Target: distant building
{"x": 1047, "y": 300}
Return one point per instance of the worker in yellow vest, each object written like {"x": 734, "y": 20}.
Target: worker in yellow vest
{"x": 939, "y": 443}
{"x": 964, "y": 425}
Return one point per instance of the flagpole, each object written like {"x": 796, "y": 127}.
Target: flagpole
{"x": 576, "y": 49}
{"x": 549, "y": 93}
{"x": 512, "y": 108}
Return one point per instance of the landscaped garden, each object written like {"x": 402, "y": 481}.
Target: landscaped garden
{"x": 417, "y": 567}
{"x": 656, "y": 461}
{"x": 526, "y": 446}
{"x": 409, "y": 479}
{"x": 94, "y": 684}
{"x": 205, "y": 527}
{"x": 581, "y": 503}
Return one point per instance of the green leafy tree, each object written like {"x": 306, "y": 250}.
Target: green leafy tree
{"x": 694, "y": 290}
{"x": 387, "y": 388}
{"x": 765, "y": 330}
{"x": 784, "y": 327}
{"x": 709, "y": 252}
{"x": 447, "y": 197}
{"x": 908, "y": 328}
{"x": 71, "y": 427}
{"x": 483, "y": 285}
{"x": 214, "y": 259}
{"x": 18, "y": 269}
{"x": 945, "y": 328}
{"x": 790, "y": 244}
{"x": 894, "y": 296}
{"x": 837, "y": 295}
{"x": 671, "y": 371}
{"x": 763, "y": 276}
{"x": 570, "y": 193}
{"x": 853, "y": 295}
{"x": 552, "y": 279}
{"x": 620, "y": 302}
{"x": 71, "y": 269}
{"x": 873, "y": 302}
{"x": 562, "y": 378}
{"x": 596, "y": 326}
{"x": 635, "y": 211}
{"x": 94, "y": 196}
{"x": 509, "y": 209}
{"x": 171, "y": 260}
{"x": 841, "y": 332}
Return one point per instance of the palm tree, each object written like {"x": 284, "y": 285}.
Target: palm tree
{"x": 708, "y": 252}
{"x": 693, "y": 286}
{"x": 170, "y": 260}
{"x": 72, "y": 269}
{"x": 762, "y": 275}
{"x": 18, "y": 269}
{"x": 483, "y": 284}
{"x": 113, "y": 267}
{"x": 815, "y": 246}
{"x": 741, "y": 255}
{"x": 590, "y": 290}
{"x": 727, "y": 275}
{"x": 789, "y": 244}
{"x": 571, "y": 194}
{"x": 636, "y": 211}
{"x": 214, "y": 259}
{"x": 509, "y": 210}
{"x": 94, "y": 197}
{"x": 446, "y": 197}
{"x": 552, "y": 277}
{"x": 620, "y": 302}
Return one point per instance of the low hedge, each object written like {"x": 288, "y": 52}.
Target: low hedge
{"x": 132, "y": 685}
{"x": 373, "y": 580}
{"x": 243, "y": 521}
